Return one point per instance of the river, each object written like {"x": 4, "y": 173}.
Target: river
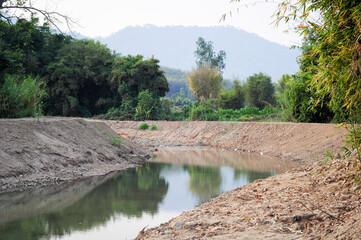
{"x": 120, "y": 204}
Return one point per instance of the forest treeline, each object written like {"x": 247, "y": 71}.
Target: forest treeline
{"x": 46, "y": 73}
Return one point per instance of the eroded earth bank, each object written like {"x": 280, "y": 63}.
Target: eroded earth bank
{"x": 51, "y": 150}
{"x": 316, "y": 200}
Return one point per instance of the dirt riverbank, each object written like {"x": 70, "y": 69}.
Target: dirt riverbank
{"x": 300, "y": 142}
{"x": 48, "y": 150}
{"x": 313, "y": 201}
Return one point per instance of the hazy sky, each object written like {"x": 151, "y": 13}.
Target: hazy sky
{"x": 102, "y": 18}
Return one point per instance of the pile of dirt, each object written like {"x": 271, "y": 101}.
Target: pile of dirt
{"x": 46, "y": 150}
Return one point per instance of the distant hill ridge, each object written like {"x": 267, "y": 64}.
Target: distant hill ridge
{"x": 174, "y": 46}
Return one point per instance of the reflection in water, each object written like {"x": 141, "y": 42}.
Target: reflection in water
{"x": 119, "y": 205}
{"x": 130, "y": 193}
{"x": 217, "y": 158}
{"x": 205, "y": 182}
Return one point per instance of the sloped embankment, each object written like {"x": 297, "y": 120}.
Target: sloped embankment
{"x": 50, "y": 149}
{"x": 317, "y": 201}
{"x": 298, "y": 142}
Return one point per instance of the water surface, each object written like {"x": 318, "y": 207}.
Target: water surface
{"x": 119, "y": 205}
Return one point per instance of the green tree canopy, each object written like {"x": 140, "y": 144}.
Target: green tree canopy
{"x": 259, "y": 90}
{"x": 205, "y": 55}
{"x": 234, "y": 98}
{"x": 133, "y": 74}
{"x": 27, "y": 48}
{"x": 78, "y": 80}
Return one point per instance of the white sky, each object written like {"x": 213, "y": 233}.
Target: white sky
{"x": 102, "y": 18}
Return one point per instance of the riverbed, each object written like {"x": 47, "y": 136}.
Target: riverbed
{"x": 120, "y": 204}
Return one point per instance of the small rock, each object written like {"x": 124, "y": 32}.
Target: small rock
{"x": 298, "y": 226}
{"x": 178, "y": 224}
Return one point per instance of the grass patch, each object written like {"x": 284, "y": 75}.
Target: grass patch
{"x": 143, "y": 126}
{"x": 115, "y": 140}
{"x": 153, "y": 128}
{"x": 81, "y": 121}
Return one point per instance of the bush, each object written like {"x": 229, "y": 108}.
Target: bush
{"x": 153, "y": 128}
{"x": 143, "y": 126}
{"x": 234, "y": 115}
{"x": 298, "y": 100}
{"x": 203, "y": 112}
{"x": 21, "y": 97}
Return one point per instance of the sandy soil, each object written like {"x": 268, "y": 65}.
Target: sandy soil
{"x": 49, "y": 150}
{"x": 312, "y": 201}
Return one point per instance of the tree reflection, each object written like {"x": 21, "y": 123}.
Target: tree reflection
{"x": 130, "y": 193}
{"x": 250, "y": 175}
{"x": 204, "y": 181}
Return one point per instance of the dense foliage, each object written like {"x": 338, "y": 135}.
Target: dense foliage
{"x": 336, "y": 48}
{"x": 41, "y": 70}
{"x": 21, "y": 97}
{"x": 78, "y": 80}
{"x": 259, "y": 91}
{"x": 234, "y": 98}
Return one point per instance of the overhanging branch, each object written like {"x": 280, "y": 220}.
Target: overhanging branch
{"x": 54, "y": 18}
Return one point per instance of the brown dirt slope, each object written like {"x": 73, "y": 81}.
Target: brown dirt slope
{"x": 298, "y": 142}
{"x": 39, "y": 151}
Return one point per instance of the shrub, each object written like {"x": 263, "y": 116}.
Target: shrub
{"x": 153, "y": 128}
{"x": 21, "y": 96}
{"x": 143, "y": 126}
{"x": 203, "y": 112}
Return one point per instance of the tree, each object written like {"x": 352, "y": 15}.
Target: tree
{"x": 146, "y": 106}
{"x": 337, "y": 47}
{"x": 132, "y": 75}
{"x": 205, "y": 55}
{"x": 27, "y": 48}
{"x": 79, "y": 80}
{"x": 297, "y": 96}
{"x": 205, "y": 82}
{"x": 234, "y": 98}
{"x": 259, "y": 90}
{"x": 297, "y": 99}
{"x": 15, "y": 9}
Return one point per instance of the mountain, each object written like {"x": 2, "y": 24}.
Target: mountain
{"x": 174, "y": 46}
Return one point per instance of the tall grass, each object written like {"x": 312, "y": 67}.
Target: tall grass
{"x": 21, "y": 97}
